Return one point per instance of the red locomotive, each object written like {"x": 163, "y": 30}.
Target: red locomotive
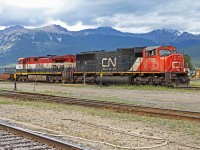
{"x": 44, "y": 68}
{"x": 161, "y": 59}
{"x": 138, "y": 65}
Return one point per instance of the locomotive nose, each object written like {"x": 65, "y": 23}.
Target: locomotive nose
{"x": 177, "y": 63}
{"x": 176, "y": 57}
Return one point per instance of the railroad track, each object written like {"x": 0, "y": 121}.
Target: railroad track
{"x": 118, "y": 107}
{"x": 15, "y": 138}
{"x": 197, "y": 88}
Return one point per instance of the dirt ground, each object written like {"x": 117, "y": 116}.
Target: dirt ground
{"x": 186, "y": 100}
{"x": 121, "y": 132}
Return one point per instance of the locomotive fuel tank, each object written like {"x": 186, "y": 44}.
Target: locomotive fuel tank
{"x": 114, "y": 79}
{"x": 37, "y": 77}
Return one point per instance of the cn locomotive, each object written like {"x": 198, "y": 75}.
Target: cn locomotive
{"x": 156, "y": 65}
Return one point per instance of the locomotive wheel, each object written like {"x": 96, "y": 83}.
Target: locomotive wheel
{"x": 52, "y": 81}
{"x": 163, "y": 83}
{"x": 19, "y": 79}
{"x": 150, "y": 83}
{"x": 138, "y": 82}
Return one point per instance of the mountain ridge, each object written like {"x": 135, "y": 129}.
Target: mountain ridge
{"x": 18, "y": 41}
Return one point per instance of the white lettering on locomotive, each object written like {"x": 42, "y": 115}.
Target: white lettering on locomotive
{"x": 107, "y": 62}
{"x": 153, "y": 60}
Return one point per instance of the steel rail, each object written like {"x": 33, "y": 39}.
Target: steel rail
{"x": 197, "y": 88}
{"x": 53, "y": 143}
{"x": 118, "y": 107}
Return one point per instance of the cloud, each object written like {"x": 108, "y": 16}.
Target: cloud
{"x": 31, "y": 3}
{"x": 125, "y": 15}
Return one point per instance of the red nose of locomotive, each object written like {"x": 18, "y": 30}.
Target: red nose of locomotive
{"x": 175, "y": 63}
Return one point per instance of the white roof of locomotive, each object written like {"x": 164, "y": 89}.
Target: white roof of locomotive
{"x": 151, "y": 48}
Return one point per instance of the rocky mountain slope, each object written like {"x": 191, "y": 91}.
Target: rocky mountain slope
{"x": 17, "y": 41}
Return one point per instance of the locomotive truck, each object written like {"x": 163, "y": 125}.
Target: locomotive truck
{"x": 155, "y": 65}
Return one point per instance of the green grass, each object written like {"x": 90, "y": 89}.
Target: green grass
{"x": 195, "y": 82}
{"x": 132, "y": 87}
{"x": 35, "y": 104}
{"x": 142, "y": 87}
{"x": 137, "y": 87}
{"x": 153, "y": 88}
{"x": 185, "y": 127}
{"x": 4, "y": 101}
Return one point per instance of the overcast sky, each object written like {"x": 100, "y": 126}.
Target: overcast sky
{"x": 126, "y": 15}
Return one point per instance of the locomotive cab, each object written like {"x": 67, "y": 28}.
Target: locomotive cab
{"x": 21, "y": 64}
{"x": 162, "y": 59}
{"x": 165, "y": 64}
{"x": 170, "y": 60}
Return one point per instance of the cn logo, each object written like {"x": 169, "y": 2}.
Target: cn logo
{"x": 107, "y": 62}
{"x": 176, "y": 65}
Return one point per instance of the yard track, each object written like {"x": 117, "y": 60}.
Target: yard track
{"x": 118, "y": 107}
{"x": 16, "y": 138}
{"x": 197, "y": 88}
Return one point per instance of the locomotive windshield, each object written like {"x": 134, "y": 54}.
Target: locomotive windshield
{"x": 174, "y": 52}
{"x": 164, "y": 52}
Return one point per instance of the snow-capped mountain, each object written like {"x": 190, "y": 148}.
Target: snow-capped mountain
{"x": 17, "y": 41}
{"x": 53, "y": 29}
{"x": 12, "y": 29}
{"x": 100, "y": 30}
{"x": 160, "y": 36}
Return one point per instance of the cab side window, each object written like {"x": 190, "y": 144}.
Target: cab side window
{"x": 164, "y": 52}
{"x": 151, "y": 53}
